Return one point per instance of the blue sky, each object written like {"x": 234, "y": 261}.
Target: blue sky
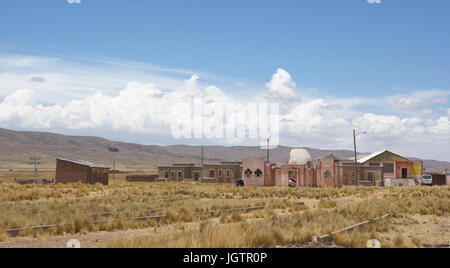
{"x": 343, "y": 47}
{"x": 390, "y": 59}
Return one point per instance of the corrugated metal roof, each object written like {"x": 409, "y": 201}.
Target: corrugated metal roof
{"x": 84, "y": 163}
{"x": 368, "y": 157}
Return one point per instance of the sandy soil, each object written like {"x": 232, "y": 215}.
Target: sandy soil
{"x": 431, "y": 231}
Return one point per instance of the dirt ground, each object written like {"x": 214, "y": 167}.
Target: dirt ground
{"x": 431, "y": 231}
{"x": 427, "y": 231}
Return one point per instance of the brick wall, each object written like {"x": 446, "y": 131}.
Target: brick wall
{"x": 68, "y": 172}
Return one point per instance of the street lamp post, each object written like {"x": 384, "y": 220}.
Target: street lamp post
{"x": 356, "y": 159}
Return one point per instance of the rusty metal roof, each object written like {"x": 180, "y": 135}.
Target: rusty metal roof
{"x": 84, "y": 163}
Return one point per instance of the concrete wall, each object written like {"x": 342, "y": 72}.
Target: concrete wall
{"x": 399, "y": 182}
{"x": 403, "y": 165}
{"x": 416, "y": 170}
{"x": 253, "y": 164}
{"x": 270, "y": 174}
{"x": 187, "y": 172}
{"x": 297, "y": 176}
{"x": 327, "y": 172}
{"x": 222, "y": 173}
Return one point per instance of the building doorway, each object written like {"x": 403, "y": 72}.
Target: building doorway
{"x": 404, "y": 173}
{"x": 196, "y": 177}
{"x": 293, "y": 178}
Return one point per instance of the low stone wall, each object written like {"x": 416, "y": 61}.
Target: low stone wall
{"x": 141, "y": 178}
{"x": 399, "y": 182}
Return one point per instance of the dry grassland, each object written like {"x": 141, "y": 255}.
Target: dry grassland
{"x": 283, "y": 222}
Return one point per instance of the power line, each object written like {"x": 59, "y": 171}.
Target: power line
{"x": 35, "y": 162}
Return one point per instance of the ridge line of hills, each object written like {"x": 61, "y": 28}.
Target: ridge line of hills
{"x": 16, "y": 148}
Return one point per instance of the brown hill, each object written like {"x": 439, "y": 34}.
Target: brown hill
{"x": 16, "y": 148}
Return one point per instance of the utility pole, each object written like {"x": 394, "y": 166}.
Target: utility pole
{"x": 356, "y": 159}
{"x": 202, "y": 156}
{"x": 35, "y": 162}
{"x": 268, "y": 151}
{"x": 114, "y": 170}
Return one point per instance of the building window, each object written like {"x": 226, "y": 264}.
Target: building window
{"x": 388, "y": 167}
{"x": 220, "y": 173}
{"x": 327, "y": 174}
{"x": 370, "y": 176}
{"x": 212, "y": 173}
{"x": 258, "y": 173}
{"x": 374, "y": 164}
{"x": 180, "y": 174}
{"x": 228, "y": 173}
{"x": 248, "y": 173}
{"x": 166, "y": 174}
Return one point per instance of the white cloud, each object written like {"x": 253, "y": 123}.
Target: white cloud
{"x": 410, "y": 102}
{"x": 310, "y": 117}
{"x": 374, "y": 1}
{"x": 438, "y": 100}
{"x": 76, "y": 78}
{"x": 281, "y": 85}
{"x": 389, "y": 125}
{"x": 74, "y": 1}
{"x": 93, "y": 99}
{"x": 441, "y": 127}
{"x": 427, "y": 111}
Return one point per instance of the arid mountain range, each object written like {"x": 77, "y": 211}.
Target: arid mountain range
{"x": 17, "y": 147}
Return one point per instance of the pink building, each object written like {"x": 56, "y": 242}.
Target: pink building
{"x": 394, "y": 166}
{"x": 330, "y": 171}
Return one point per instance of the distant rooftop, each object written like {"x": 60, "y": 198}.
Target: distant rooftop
{"x": 84, "y": 163}
{"x": 184, "y": 165}
{"x": 370, "y": 156}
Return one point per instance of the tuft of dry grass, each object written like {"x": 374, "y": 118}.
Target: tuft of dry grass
{"x": 326, "y": 203}
{"x": 75, "y": 206}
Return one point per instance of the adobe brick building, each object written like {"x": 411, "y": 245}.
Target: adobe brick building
{"x": 225, "y": 172}
{"x": 73, "y": 171}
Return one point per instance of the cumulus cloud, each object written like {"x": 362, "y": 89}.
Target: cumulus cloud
{"x": 281, "y": 85}
{"x": 140, "y": 108}
{"x": 309, "y": 117}
{"x": 143, "y": 108}
{"x": 388, "y": 125}
{"x": 441, "y": 127}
